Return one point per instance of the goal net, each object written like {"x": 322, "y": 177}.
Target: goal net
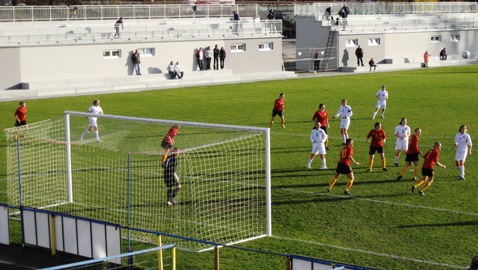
{"x": 224, "y": 173}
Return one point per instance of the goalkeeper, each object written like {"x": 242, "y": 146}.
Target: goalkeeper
{"x": 168, "y": 141}
{"x": 171, "y": 179}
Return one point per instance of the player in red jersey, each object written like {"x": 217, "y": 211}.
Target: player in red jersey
{"x": 278, "y": 110}
{"x": 431, "y": 158}
{"x": 168, "y": 141}
{"x": 376, "y": 145}
{"x": 412, "y": 155}
{"x": 322, "y": 116}
{"x": 21, "y": 117}
{"x": 343, "y": 167}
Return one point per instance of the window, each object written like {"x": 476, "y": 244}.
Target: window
{"x": 351, "y": 43}
{"x": 111, "y": 54}
{"x": 455, "y": 38}
{"x": 238, "y": 48}
{"x": 373, "y": 41}
{"x": 266, "y": 46}
{"x": 146, "y": 52}
{"x": 435, "y": 39}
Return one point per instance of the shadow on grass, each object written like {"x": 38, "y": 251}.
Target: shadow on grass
{"x": 463, "y": 223}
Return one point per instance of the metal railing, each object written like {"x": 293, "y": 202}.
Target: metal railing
{"x": 388, "y": 23}
{"x": 95, "y": 12}
{"x": 395, "y": 8}
{"x": 165, "y": 30}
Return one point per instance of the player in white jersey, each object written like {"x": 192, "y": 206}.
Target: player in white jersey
{"x": 94, "y": 109}
{"x": 382, "y": 96}
{"x": 402, "y": 132}
{"x": 345, "y": 112}
{"x": 318, "y": 137}
{"x": 463, "y": 146}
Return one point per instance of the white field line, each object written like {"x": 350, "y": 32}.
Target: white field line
{"x": 370, "y": 252}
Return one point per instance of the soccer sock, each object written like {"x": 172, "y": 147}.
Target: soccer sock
{"x": 403, "y": 171}
{"x": 310, "y": 161}
{"x": 463, "y": 171}
{"x": 419, "y": 182}
{"x": 175, "y": 192}
{"x": 163, "y": 159}
{"x": 332, "y": 183}
{"x": 384, "y": 163}
{"x": 415, "y": 171}
{"x": 349, "y": 185}
{"x": 324, "y": 163}
{"x": 97, "y": 135}
{"x": 270, "y": 124}
{"x": 396, "y": 158}
{"x": 84, "y": 133}
{"x": 370, "y": 164}
{"x": 427, "y": 184}
{"x": 344, "y": 137}
{"x": 374, "y": 114}
{"x": 327, "y": 142}
{"x": 169, "y": 193}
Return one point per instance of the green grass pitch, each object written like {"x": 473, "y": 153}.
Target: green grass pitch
{"x": 382, "y": 224}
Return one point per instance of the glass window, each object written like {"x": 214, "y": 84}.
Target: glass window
{"x": 373, "y": 41}
{"x": 435, "y": 39}
{"x": 266, "y": 46}
{"x": 111, "y": 54}
{"x": 238, "y": 47}
{"x": 351, "y": 43}
{"x": 455, "y": 38}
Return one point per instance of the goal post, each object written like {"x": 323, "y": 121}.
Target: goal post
{"x": 224, "y": 171}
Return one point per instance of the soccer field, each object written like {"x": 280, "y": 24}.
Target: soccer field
{"x": 382, "y": 224}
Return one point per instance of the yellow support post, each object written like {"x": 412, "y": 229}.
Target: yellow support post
{"x": 216, "y": 258}
{"x": 52, "y": 235}
{"x": 174, "y": 257}
{"x": 160, "y": 254}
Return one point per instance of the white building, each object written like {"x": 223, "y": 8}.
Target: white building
{"x": 50, "y": 51}
{"x": 396, "y": 35}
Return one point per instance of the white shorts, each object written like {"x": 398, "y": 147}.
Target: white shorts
{"x": 381, "y": 104}
{"x": 345, "y": 123}
{"x": 401, "y": 144}
{"x": 461, "y": 155}
{"x": 93, "y": 121}
{"x": 318, "y": 149}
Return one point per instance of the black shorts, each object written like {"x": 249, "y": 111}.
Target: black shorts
{"x": 342, "y": 168}
{"x": 411, "y": 157}
{"x": 427, "y": 172}
{"x": 324, "y": 128}
{"x": 373, "y": 150}
{"x": 170, "y": 180}
{"x": 274, "y": 113}
{"x": 166, "y": 145}
{"x": 22, "y": 123}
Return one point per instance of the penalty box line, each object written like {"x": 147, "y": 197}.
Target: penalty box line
{"x": 368, "y": 252}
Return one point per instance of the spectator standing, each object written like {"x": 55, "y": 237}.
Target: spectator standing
{"x": 463, "y": 146}
{"x": 359, "y": 54}
{"x": 199, "y": 58}
{"x": 378, "y": 138}
{"x": 412, "y": 155}
{"x": 135, "y": 57}
{"x": 215, "y": 52}
{"x": 278, "y": 110}
{"x": 21, "y": 118}
{"x": 426, "y": 56}
{"x": 222, "y": 57}
{"x": 344, "y": 13}
{"x": 179, "y": 72}
{"x": 372, "y": 64}
{"x": 208, "y": 57}
{"x": 382, "y": 97}
{"x": 118, "y": 24}
{"x": 431, "y": 158}
{"x": 271, "y": 15}
{"x": 316, "y": 61}
{"x": 343, "y": 167}
{"x": 345, "y": 112}
{"x": 318, "y": 137}
{"x": 235, "y": 18}
{"x": 443, "y": 54}
{"x": 328, "y": 14}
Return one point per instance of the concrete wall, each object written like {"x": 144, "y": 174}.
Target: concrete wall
{"x": 63, "y": 62}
